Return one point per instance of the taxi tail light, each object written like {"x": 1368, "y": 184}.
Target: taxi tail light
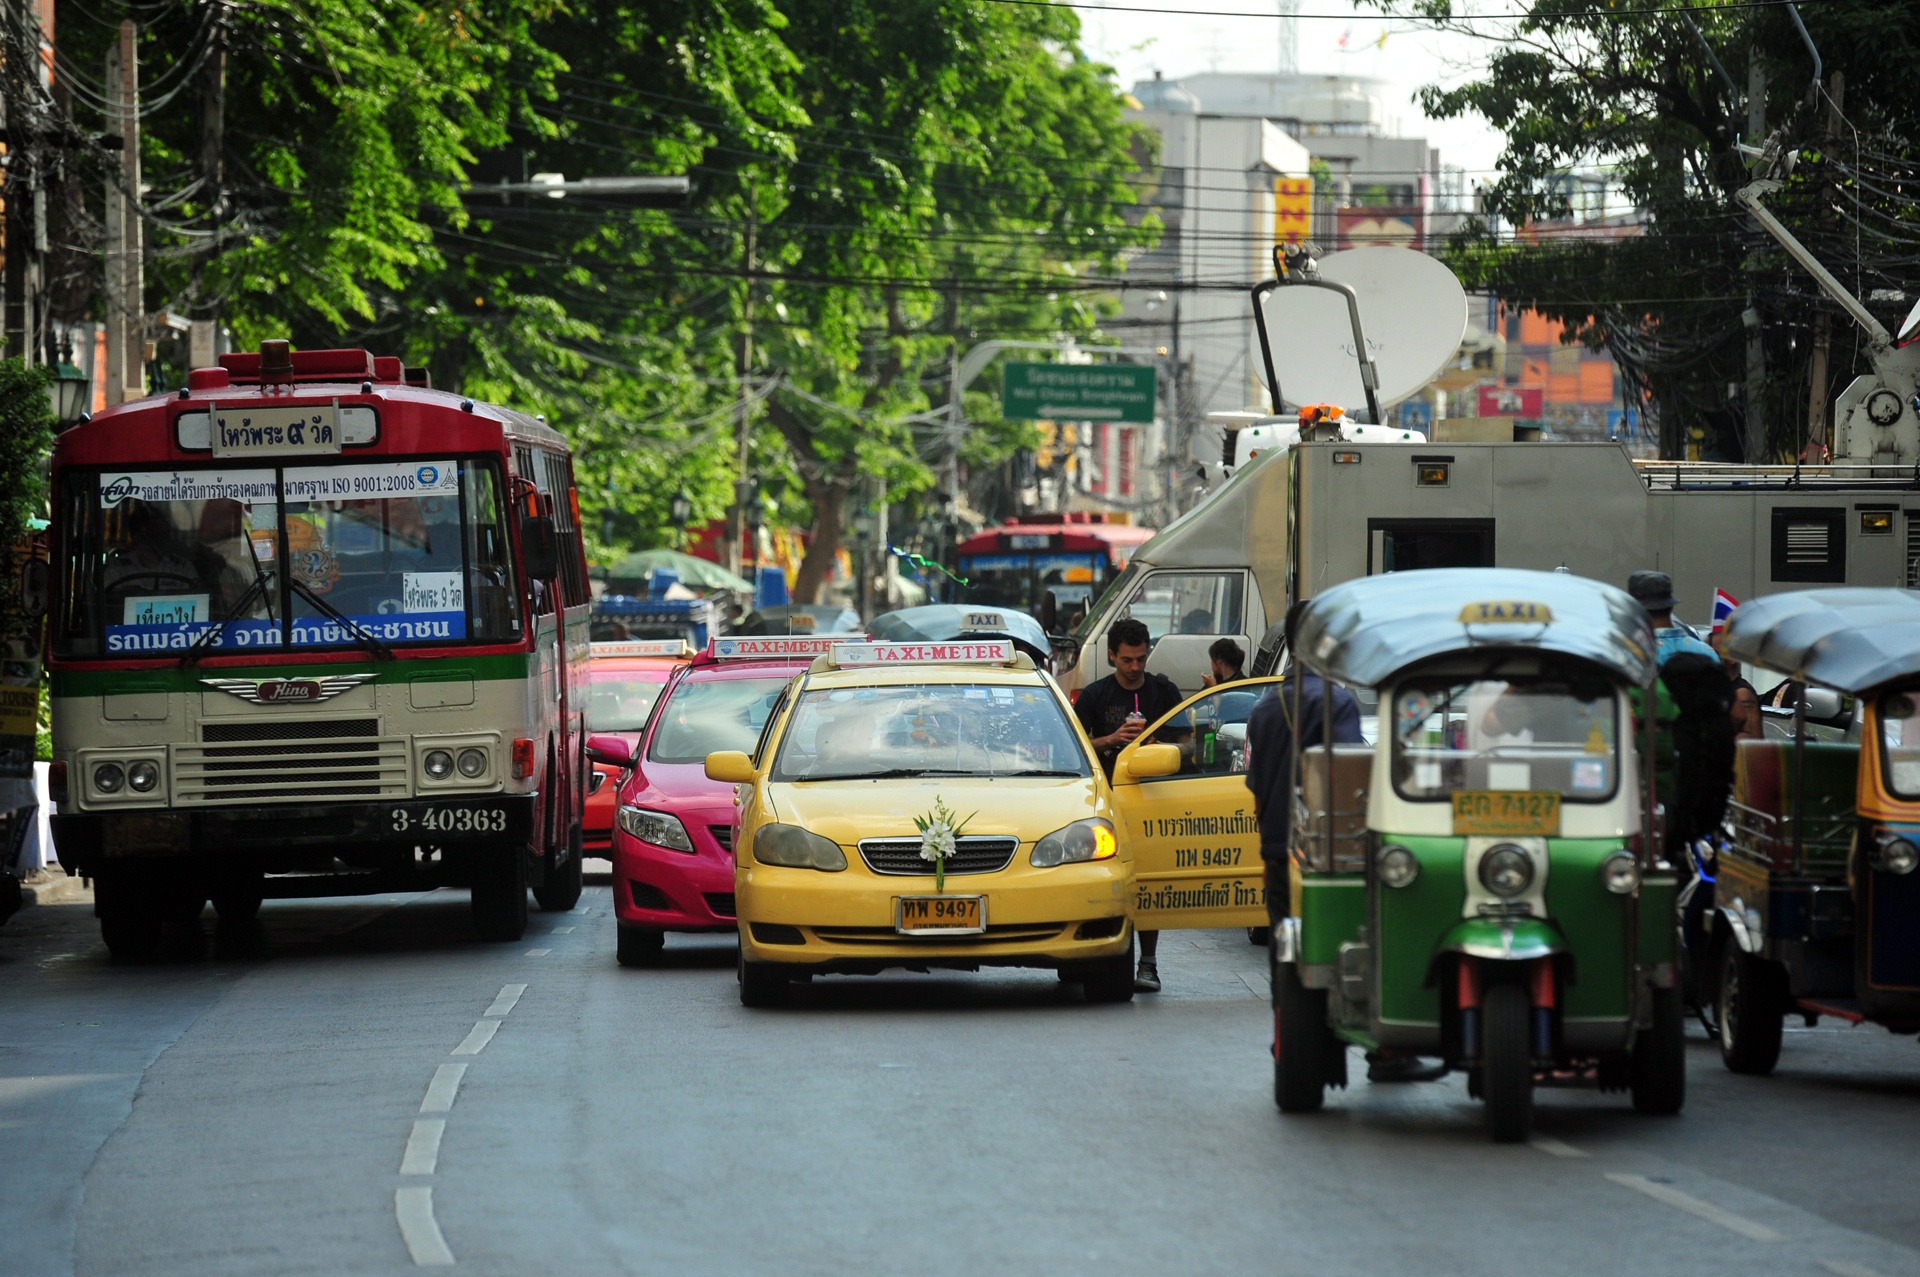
{"x": 522, "y": 758}
{"x": 57, "y": 782}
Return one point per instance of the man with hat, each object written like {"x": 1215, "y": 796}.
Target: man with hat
{"x": 1654, "y": 592}
{"x": 1693, "y": 755}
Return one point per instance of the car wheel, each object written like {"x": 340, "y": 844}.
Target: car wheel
{"x": 639, "y": 946}
{"x": 500, "y": 895}
{"x": 1506, "y": 1074}
{"x": 763, "y": 985}
{"x": 1659, "y": 1068}
{"x": 1749, "y": 1008}
{"x": 1110, "y": 981}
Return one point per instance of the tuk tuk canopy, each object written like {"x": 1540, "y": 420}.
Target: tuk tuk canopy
{"x": 1852, "y": 640}
{"x": 1364, "y": 632}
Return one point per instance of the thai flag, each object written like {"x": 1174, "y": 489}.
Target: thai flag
{"x": 1723, "y": 605}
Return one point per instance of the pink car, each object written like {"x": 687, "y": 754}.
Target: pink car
{"x": 673, "y": 828}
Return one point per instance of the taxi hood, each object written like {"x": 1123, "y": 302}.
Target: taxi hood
{"x": 1028, "y": 808}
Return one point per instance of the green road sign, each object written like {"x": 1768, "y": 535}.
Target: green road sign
{"x": 1079, "y": 392}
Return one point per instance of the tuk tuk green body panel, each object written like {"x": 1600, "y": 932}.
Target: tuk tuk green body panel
{"x": 1333, "y": 909}
{"x": 1412, "y": 920}
{"x": 1597, "y": 926}
{"x": 1658, "y": 942}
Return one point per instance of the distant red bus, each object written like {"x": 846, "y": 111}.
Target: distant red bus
{"x": 1072, "y": 556}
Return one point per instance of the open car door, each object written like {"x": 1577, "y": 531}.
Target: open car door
{"x": 1195, "y": 840}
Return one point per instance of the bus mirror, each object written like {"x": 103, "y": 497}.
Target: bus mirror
{"x": 35, "y": 582}
{"x": 1049, "y": 612}
{"x": 540, "y": 544}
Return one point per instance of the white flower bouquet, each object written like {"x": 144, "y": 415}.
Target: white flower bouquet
{"x": 940, "y": 835}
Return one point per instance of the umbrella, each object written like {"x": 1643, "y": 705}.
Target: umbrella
{"x": 630, "y": 575}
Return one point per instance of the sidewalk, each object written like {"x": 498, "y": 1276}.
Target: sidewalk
{"x": 53, "y": 887}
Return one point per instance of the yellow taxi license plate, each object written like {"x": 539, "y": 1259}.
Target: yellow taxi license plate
{"x": 941, "y": 915}
{"x": 1506, "y": 813}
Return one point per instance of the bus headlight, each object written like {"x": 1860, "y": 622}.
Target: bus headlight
{"x": 438, "y": 764}
{"x": 1895, "y": 855}
{"x": 1081, "y": 841}
{"x": 473, "y": 763}
{"x": 142, "y": 777}
{"x": 1397, "y": 866}
{"x": 109, "y": 778}
{"x": 1619, "y": 873}
{"x": 1506, "y": 870}
{"x": 796, "y": 848}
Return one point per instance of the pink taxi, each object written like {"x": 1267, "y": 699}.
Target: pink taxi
{"x": 673, "y": 828}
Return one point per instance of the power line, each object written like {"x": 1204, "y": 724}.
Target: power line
{"x": 1514, "y": 15}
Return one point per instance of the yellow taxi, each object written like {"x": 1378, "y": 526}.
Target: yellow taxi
{"x": 928, "y": 805}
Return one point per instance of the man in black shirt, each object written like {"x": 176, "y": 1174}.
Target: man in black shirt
{"x": 1113, "y": 711}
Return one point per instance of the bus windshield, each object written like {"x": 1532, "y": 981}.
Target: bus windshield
{"x": 316, "y": 556}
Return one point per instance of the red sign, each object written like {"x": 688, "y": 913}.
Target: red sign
{"x": 1512, "y": 401}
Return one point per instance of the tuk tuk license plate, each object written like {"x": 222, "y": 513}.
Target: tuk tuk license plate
{"x": 941, "y": 915}
{"x": 1506, "y": 813}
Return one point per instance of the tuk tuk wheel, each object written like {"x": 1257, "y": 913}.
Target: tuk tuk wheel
{"x": 1659, "y": 1069}
{"x": 1506, "y": 1075}
{"x": 1750, "y": 1008}
{"x": 1300, "y": 1042}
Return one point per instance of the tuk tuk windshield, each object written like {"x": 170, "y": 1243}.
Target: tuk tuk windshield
{"x": 1541, "y": 735}
{"x": 1900, "y": 742}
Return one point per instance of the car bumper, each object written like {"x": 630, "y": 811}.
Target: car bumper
{"x": 1055, "y": 918}
{"x": 671, "y": 890}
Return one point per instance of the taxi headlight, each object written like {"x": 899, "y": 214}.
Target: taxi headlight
{"x": 1619, "y": 873}
{"x": 795, "y": 848}
{"x": 473, "y": 763}
{"x": 655, "y": 827}
{"x": 1397, "y": 866}
{"x": 1895, "y": 855}
{"x": 142, "y": 777}
{"x": 1081, "y": 841}
{"x": 109, "y": 778}
{"x": 438, "y": 764}
{"x": 1506, "y": 870}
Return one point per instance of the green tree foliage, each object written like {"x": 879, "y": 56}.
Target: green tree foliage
{"x": 1632, "y": 90}
{"x": 26, "y": 434}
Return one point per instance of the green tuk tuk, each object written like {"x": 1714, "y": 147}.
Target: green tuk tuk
{"x": 1477, "y": 887}
{"x": 1816, "y": 906}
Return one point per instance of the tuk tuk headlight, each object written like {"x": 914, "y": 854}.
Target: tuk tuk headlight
{"x": 1397, "y": 866}
{"x": 1081, "y": 841}
{"x": 796, "y": 848}
{"x": 1620, "y": 873}
{"x": 1506, "y": 870}
{"x": 109, "y": 778}
{"x": 1895, "y": 855}
{"x": 142, "y": 776}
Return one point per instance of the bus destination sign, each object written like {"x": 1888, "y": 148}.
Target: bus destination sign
{"x": 261, "y": 430}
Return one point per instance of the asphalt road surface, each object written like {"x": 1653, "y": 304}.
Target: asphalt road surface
{"x": 358, "y": 1086}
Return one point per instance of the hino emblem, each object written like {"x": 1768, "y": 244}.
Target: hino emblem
{"x": 287, "y": 691}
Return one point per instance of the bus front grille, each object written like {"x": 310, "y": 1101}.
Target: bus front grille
{"x": 314, "y": 760}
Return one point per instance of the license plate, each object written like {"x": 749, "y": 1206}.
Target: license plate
{"x": 1506, "y": 813}
{"x": 940, "y": 915}
{"x": 445, "y": 821}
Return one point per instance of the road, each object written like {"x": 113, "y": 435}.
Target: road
{"x": 357, "y": 1086}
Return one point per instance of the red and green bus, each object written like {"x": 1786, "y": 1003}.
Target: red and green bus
{"x": 1070, "y": 556}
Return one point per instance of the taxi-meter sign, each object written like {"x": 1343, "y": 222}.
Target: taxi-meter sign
{"x": 994, "y": 652}
{"x": 1506, "y": 612}
{"x": 643, "y": 647}
{"x": 760, "y": 649}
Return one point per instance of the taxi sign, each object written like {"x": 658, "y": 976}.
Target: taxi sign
{"x": 773, "y": 647}
{"x": 983, "y": 621}
{"x": 643, "y": 647}
{"x": 1506, "y": 612}
{"x": 995, "y": 652}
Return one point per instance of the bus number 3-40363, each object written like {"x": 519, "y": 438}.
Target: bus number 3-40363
{"x": 449, "y": 820}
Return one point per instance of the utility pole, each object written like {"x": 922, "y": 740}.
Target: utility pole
{"x": 126, "y": 305}
{"x": 1822, "y": 321}
{"x": 21, "y": 149}
{"x": 1754, "y": 449}
{"x": 954, "y": 412}
{"x": 743, "y": 481}
{"x": 202, "y": 340}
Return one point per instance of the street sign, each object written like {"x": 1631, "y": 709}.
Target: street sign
{"x": 1079, "y": 392}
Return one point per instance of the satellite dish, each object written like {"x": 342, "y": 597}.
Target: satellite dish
{"x": 1413, "y": 312}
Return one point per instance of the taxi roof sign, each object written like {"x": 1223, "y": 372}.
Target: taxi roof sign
{"x": 774, "y": 647}
{"x": 1506, "y": 612}
{"x": 643, "y": 647}
{"x": 867, "y": 655}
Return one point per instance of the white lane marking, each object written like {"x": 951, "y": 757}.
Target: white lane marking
{"x": 509, "y": 994}
{"x": 1694, "y": 1206}
{"x": 1847, "y": 1268}
{"x": 477, "y": 1040}
{"x": 440, "y": 1091}
{"x": 1548, "y": 1144}
{"x": 538, "y": 953}
{"x": 413, "y": 1209}
{"x": 423, "y": 1146}
{"x": 561, "y": 931}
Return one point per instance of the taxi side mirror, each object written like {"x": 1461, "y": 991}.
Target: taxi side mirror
{"x": 610, "y": 751}
{"x": 1146, "y": 762}
{"x": 730, "y": 767}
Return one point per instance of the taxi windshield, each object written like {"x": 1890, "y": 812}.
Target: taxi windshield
{"x": 931, "y": 729}
{"x": 1900, "y": 742}
{"x": 1541, "y": 735}
{"x": 621, "y": 702}
{"x": 709, "y": 716}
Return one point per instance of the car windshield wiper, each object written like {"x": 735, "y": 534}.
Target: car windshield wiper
{"x": 893, "y": 773}
{"x": 361, "y": 635}
{"x": 1041, "y": 771}
{"x": 205, "y": 640}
